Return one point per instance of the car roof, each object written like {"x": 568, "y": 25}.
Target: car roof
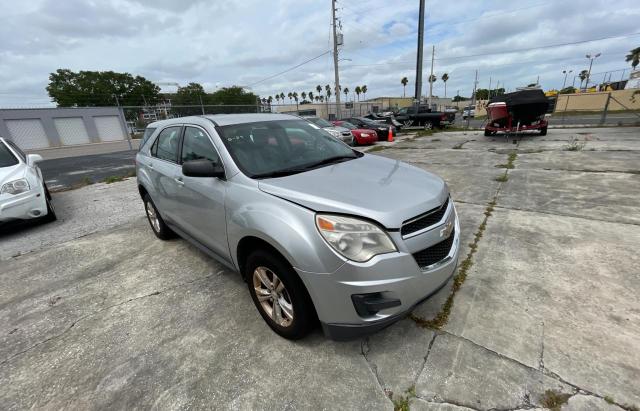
{"x": 226, "y": 119}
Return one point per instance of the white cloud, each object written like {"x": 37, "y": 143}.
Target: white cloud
{"x": 243, "y": 41}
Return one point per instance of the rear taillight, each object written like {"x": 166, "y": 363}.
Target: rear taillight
{"x": 443, "y": 117}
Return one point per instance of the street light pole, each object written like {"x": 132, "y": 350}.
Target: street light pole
{"x": 418, "y": 93}
{"x": 335, "y": 59}
{"x": 564, "y": 83}
{"x": 591, "y": 58}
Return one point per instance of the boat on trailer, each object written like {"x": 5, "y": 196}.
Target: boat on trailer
{"x": 522, "y": 110}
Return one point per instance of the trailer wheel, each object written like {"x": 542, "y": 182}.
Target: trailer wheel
{"x": 543, "y": 131}
{"x": 487, "y": 132}
{"x": 428, "y": 125}
{"x": 408, "y": 123}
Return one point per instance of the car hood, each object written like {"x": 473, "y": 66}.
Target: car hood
{"x": 385, "y": 190}
{"x": 11, "y": 173}
{"x": 337, "y": 128}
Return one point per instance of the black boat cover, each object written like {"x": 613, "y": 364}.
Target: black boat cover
{"x": 525, "y": 106}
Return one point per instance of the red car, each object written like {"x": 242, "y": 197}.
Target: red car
{"x": 360, "y": 135}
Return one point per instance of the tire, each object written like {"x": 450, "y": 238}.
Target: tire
{"x": 159, "y": 227}
{"x": 408, "y": 123}
{"x": 487, "y": 133}
{"x": 287, "y": 309}
{"x": 543, "y": 131}
{"x": 353, "y": 142}
{"x": 428, "y": 125}
{"x": 51, "y": 212}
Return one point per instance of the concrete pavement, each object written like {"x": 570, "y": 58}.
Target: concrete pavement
{"x": 548, "y": 312}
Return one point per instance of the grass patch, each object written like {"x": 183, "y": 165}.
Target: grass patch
{"x": 440, "y": 320}
{"x": 424, "y": 133}
{"x": 434, "y": 140}
{"x": 502, "y": 178}
{"x": 509, "y": 166}
{"x": 113, "y": 179}
{"x": 554, "y": 400}
{"x": 376, "y": 148}
{"x": 402, "y": 403}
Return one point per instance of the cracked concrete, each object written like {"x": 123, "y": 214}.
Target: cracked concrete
{"x": 117, "y": 319}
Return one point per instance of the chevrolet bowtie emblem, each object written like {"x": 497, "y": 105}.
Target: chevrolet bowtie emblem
{"x": 446, "y": 231}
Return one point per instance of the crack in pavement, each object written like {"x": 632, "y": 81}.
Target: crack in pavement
{"x": 364, "y": 350}
{"x": 541, "y": 359}
{"x": 84, "y": 317}
{"x": 426, "y": 357}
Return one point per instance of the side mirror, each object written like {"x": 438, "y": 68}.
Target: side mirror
{"x": 202, "y": 168}
{"x": 32, "y": 159}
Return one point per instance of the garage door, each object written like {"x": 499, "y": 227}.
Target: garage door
{"x": 28, "y": 134}
{"x": 71, "y": 130}
{"x": 109, "y": 128}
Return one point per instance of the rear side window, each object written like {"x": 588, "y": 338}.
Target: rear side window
{"x": 147, "y": 133}
{"x": 17, "y": 149}
{"x": 197, "y": 146}
{"x": 7, "y": 159}
{"x": 166, "y": 145}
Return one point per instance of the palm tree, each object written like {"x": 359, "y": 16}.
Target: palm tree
{"x": 282, "y": 97}
{"x": 278, "y": 98}
{"x": 303, "y": 95}
{"x": 295, "y": 96}
{"x": 319, "y": 89}
{"x": 321, "y": 99}
{"x": 290, "y": 95}
{"x": 633, "y": 57}
{"x": 583, "y": 76}
{"x": 358, "y": 90}
{"x": 310, "y": 96}
{"x": 404, "y": 83}
{"x": 346, "y": 93}
{"x": 317, "y": 98}
{"x": 364, "y": 91}
{"x": 327, "y": 89}
{"x": 444, "y": 78}
{"x": 432, "y": 78}
{"x": 269, "y": 100}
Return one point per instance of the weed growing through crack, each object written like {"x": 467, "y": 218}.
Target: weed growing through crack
{"x": 574, "y": 145}
{"x": 502, "y": 178}
{"x": 554, "y": 400}
{"x": 402, "y": 403}
{"x": 113, "y": 179}
{"x": 376, "y": 148}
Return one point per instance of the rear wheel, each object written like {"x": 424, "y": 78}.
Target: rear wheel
{"x": 428, "y": 125}
{"x": 279, "y": 295}
{"x": 543, "y": 131}
{"x": 159, "y": 227}
{"x": 487, "y": 133}
{"x": 353, "y": 142}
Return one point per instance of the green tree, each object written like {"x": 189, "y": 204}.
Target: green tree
{"x": 460, "y": 98}
{"x": 100, "y": 88}
{"x": 346, "y": 93}
{"x": 233, "y": 95}
{"x": 364, "y": 91}
{"x": 311, "y": 96}
{"x": 319, "y": 89}
{"x": 482, "y": 94}
{"x": 290, "y": 95}
{"x": 583, "y": 76}
{"x": 404, "y": 83}
{"x": 568, "y": 90}
{"x": 432, "y": 78}
{"x": 633, "y": 57}
{"x": 278, "y": 98}
{"x": 191, "y": 94}
{"x": 445, "y": 78}
{"x": 358, "y": 90}
{"x": 303, "y": 95}
{"x": 282, "y": 97}
{"x": 327, "y": 90}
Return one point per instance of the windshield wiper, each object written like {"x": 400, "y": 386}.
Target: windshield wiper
{"x": 281, "y": 173}
{"x": 331, "y": 160}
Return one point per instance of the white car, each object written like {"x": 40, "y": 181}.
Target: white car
{"x": 23, "y": 193}
{"x": 469, "y": 111}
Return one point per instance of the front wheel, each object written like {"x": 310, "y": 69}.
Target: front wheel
{"x": 279, "y": 295}
{"x": 51, "y": 212}
{"x": 159, "y": 227}
{"x": 543, "y": 131}
{"x": 428, "y": 125}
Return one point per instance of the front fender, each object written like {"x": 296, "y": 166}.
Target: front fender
{"x": 286, "y": 226}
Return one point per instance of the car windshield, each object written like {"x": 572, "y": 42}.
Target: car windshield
{"x": 348, "y": 125}
{"x": 282, "y": 147}
{"x": 320, "y": 122}
{"x": 7, "y": 159}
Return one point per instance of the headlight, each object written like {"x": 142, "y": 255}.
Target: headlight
{"x": 334, "y": 133}
{"x": 15, "y": 187}
{"x": 364, "y": 134}
{"x": 355, "y": 239}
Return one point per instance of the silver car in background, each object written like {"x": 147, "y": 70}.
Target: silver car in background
{"x": 341, "y": 133}
{"x": 317, "y": 230}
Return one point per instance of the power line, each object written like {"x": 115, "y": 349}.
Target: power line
{"x": 290, "y": 68}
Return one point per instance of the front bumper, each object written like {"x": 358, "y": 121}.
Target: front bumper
{"x": 24, "y": 206}
{"x": 393, "y": 276}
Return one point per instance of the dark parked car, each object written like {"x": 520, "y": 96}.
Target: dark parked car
{"x": 382, "y": 130}
{"x": 385, "y": 119}
{"x": 425, "y": 117}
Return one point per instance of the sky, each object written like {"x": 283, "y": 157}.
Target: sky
{"x": 246, "y": 42}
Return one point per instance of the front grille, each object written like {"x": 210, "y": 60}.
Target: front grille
{"x": 435, "y": 253}
{"x": 346, "y": 133}
{"x": 428, "y": 219}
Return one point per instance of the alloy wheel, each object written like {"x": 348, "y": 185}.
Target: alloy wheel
{"x": 273, "y": 296}
{"x": 153, "y": 216}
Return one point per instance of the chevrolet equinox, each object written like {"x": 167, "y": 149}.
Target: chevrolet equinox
{"x": 316, "y": 229}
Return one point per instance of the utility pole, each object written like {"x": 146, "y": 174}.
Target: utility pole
{"x": 433, "y": 55}
{"x": 489, "y": 87}
{"x": 418, "y": 93}
{"x": 473, "y": 99}
{"x": 335, "y": 59}
{"x": 565, "y": 72}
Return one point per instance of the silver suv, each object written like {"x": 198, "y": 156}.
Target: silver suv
{"x": 318, "y": 230}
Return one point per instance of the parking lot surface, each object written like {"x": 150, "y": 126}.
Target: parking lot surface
{"x": 111, "y": 317}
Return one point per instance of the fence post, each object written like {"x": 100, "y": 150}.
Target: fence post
{"x": 606, "y": 107}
